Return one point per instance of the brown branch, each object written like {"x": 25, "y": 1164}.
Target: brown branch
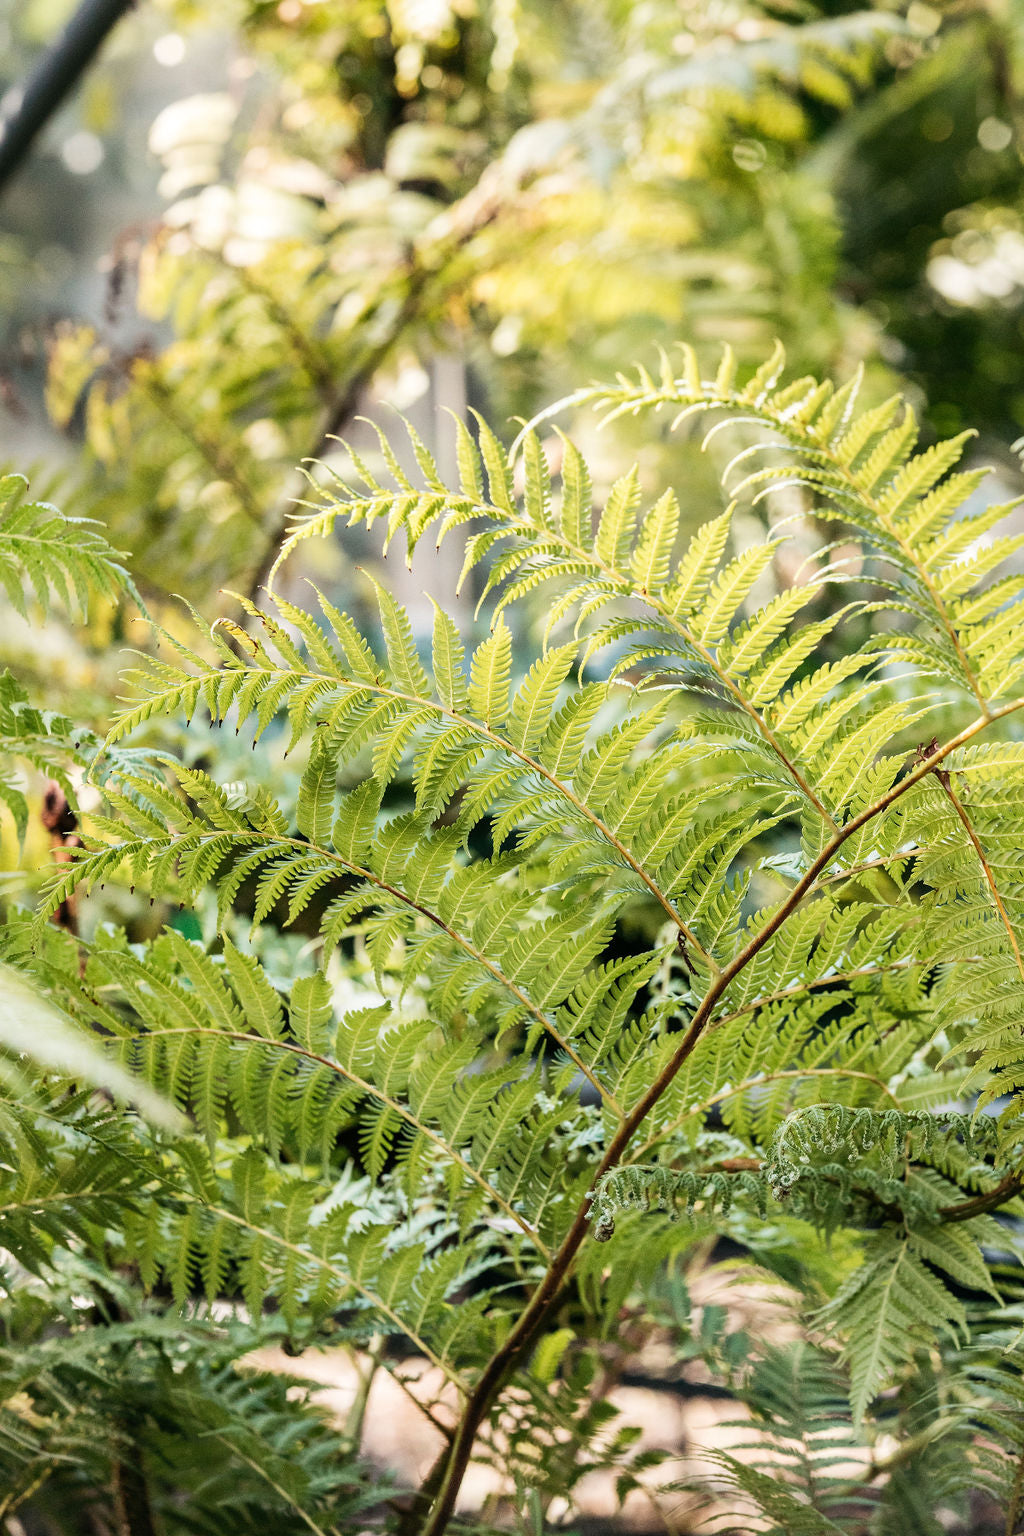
{"x": 133, "y": 1510}
{"x": 443, "y": 1482}
{"x": 54, "y": 77}
{"x": 963, "y": 1210}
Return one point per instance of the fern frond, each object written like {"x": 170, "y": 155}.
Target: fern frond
{"x": 906, "y": 505}
{"x": 63, "y": 559}
{"x": 716, "y": 930}
{"x": 891, "y": 1305}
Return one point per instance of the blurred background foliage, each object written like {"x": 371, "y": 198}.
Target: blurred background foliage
{"x": 248, "y": 227}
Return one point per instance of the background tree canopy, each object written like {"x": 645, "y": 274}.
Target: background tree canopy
{"x": 380, "y": 1004}
{"x": 335, "y": 197}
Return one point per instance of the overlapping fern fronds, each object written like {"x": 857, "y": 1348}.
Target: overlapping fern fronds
{"x": 797, "y": 1456}
{"x": 698, "y": 913}
{"x": 160, "y": 1416}
{"x": 48, "y": 561}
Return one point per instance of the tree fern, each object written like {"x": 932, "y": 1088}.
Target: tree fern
{"x": 712, "y": 912}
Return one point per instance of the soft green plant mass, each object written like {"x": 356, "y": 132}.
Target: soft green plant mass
{"x": 531, "y": 190}
{"x": 704, "y": 928}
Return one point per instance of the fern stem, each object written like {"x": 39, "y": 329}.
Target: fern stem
{"x": 907, "y": 549}
{"x": 503, "y": 745}
{"x": 76, "y": 872}
{"x": 309, "y": 1257}
{"x": 964, "y": 1210}
{"x": 451, "y": 1466}
{"x": 756, "y": 716}
{"x": 261, "y": 1471}
{"x": 353, "y": 1433}
{"x": 623, "y": 580}
{"x": 11, "y": 1501}
{"x": 596, "y": 822}
{"x": 908, "y": 1449}
{"x": 797, "y": 1073}
{"x": 812, "y": 986}
{"x": 869, "y": 866}
{"x": 499, "y": 976}
{"x": 133, "y": 1509}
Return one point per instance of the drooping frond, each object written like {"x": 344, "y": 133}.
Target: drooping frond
{"x": 153, "y": 1409}
{"x": 798, "y": 1452}
{"x": 893, "y": 1304}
